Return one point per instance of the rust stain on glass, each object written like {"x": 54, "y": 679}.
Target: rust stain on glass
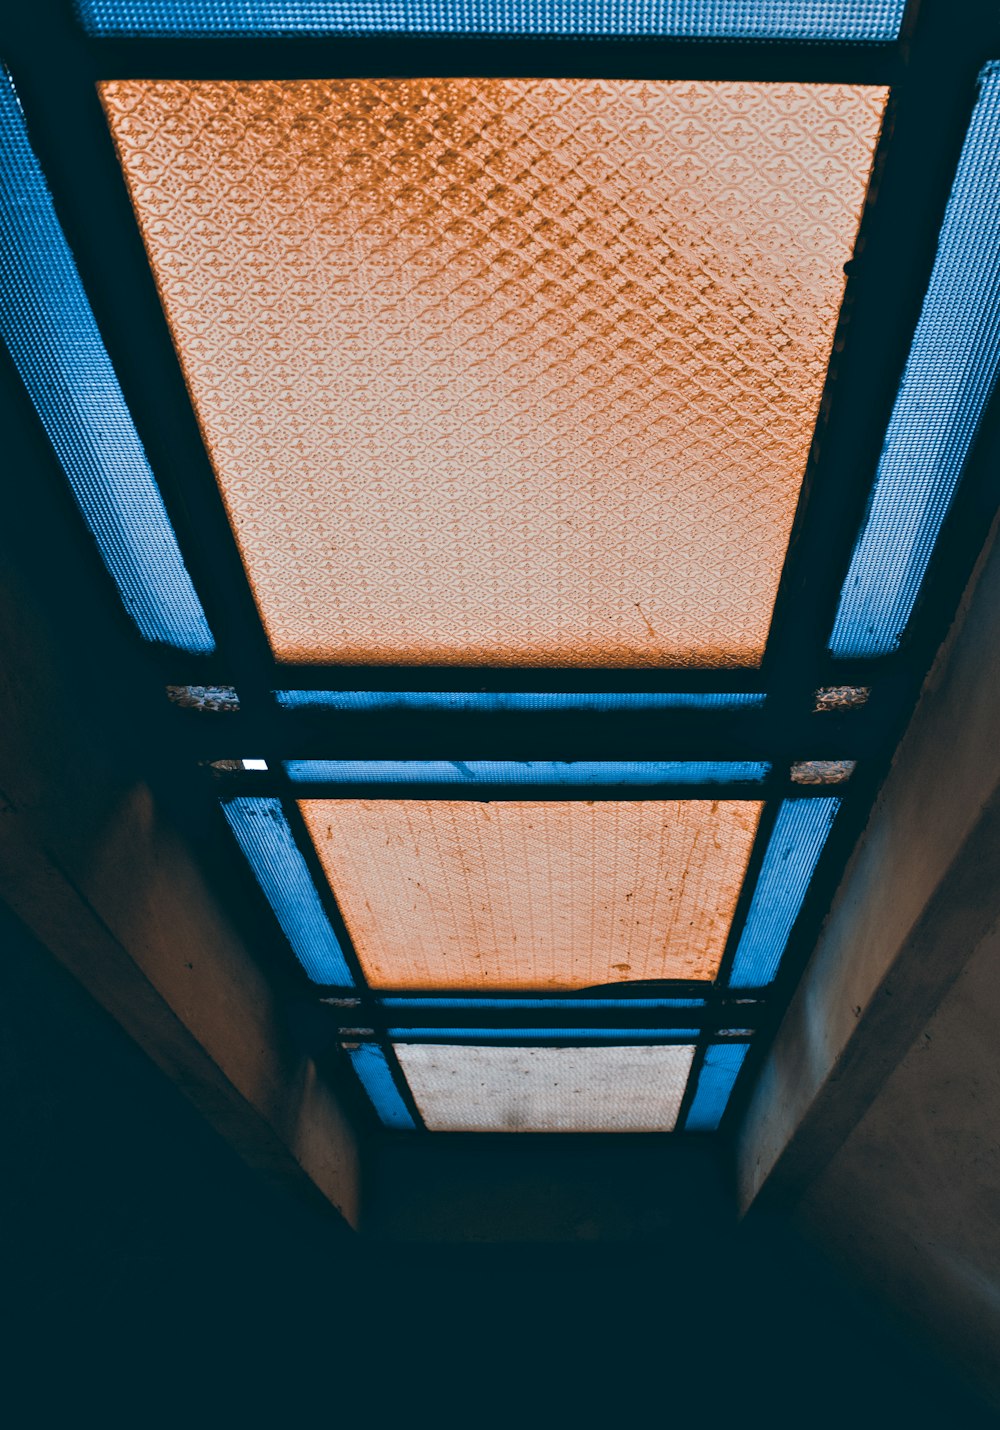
{"x": 503, "y": 371}
{"x": 533, "y": 895}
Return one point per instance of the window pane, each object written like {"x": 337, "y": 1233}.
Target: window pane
{"x": 504, "y": 371}
{"x": 461, "y": 1089}
{"x": 443, "y": 894}
{"x": 703, "y": 19}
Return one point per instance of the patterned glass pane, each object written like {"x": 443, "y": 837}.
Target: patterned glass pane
{"x": 689, "y": 19}
{"x": 461, "y": 1089}
{"x": 504, "y": 371}
{"x": 508, "y": 895}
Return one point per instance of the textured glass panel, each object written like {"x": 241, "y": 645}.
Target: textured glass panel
{"x": 577, "y": 1004}
{"x": 47, "y": 324}
{"x": 620, "y": 1036}
{"x": 478, "y": 701}
{"x": 793, "y": 851}
{"x": 460, "y": 1089}
{"x": 822, "y": 772}
{"x": 689, "y": 19}
{"x": 462, "y": 894}
{"x": 949, "y": 375}
{"x": 369, "y": 1062}
{"x": 716, "y": 1080}
{"x": 269, "y": 845}
{"x": 528, "y": 772}
{"x": 504, "y": 371}
{"x": 214, "y": 698}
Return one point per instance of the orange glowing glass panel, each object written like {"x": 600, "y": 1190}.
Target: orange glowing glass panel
{"x": 545, "y": 895}
{"x": 504, "y": 371}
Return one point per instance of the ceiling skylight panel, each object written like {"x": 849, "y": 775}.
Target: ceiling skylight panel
{"x": 49, "y": 328}
{"x": 269, "y": 847}
{"x": 513, "y": 702}
{"x": 509, "y": 1089}
{"x": 439, "y": 894}
{"x": 372, "y": 1069}
{"x": 793, "y": 850}
{"x": 527, "y": 772}
{"x": 871, "y": 20}
{"x": 716, "y": 1080}
{"x": 949, "y": 376}
{"x": 506, "y": 372}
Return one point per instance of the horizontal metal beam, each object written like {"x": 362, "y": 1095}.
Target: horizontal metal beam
{"x": 506, "y": 56}
{"x": 545, "y": 735}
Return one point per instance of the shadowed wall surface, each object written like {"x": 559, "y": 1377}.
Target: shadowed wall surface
{"x": 149, "y": 1272}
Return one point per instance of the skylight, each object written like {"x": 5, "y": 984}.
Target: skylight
{"x": 536, "y": 767}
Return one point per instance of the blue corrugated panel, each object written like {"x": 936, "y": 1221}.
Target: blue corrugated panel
{"x": 693, "y": 19}
{"x": 949, "y": 375}
{"x": 793, "y": 850}
{"x": 49, "y": 329}
{"x": 537, "y": 772}
{"x": 369, "y": 1062}
{"x": 716, "y": 1081}
{"x": 472, "y": 1005}
{"x": 263, "y": 834}
{"x": 528, "y": 1036}
{"x": 486, "y": 702}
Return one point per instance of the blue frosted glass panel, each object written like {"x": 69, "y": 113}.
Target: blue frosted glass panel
{"x": 369, "y": 1062}
{"x": 538, "y": 772}
{"x": 793, "y": 850}
{"x": 263, "y": 834}
{"x": 716, "y": 1080}
{"x": 949, "y": 376}
{"x": 541, "y": 1035}
{"x": 482, "y": 1005}
{"x": 50, "y": 332}
{"x": 482, "y": 702}
{"x": 693, "y": 19}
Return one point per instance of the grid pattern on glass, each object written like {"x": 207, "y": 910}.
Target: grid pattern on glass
{"x": 857, "y": 20}
{"x": 528, "y": 370}
{"x": 49, "y": 329}
{"x": 481, "y": 1089}
{"x": 950, "y": 372}
{"x": 526, "y": 702}
{"x": 526, "y": 772}
{"x": 268, "y": 844}
{"x": 716, "y": 1080}
{"x": 793, "y": 851}
{"x": 532, "y": 895}
{"x": 369, "y": 1063}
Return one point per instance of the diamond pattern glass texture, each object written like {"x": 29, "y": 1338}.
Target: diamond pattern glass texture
{"x": 504, "y": 372}
{"x": 533, "y": 895}
{"x": 460, "y": 1089}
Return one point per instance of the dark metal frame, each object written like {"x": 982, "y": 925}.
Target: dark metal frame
{"x": 931, "y": 71}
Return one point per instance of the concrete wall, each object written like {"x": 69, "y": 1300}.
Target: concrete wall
{"x": 875, "y": 1121}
